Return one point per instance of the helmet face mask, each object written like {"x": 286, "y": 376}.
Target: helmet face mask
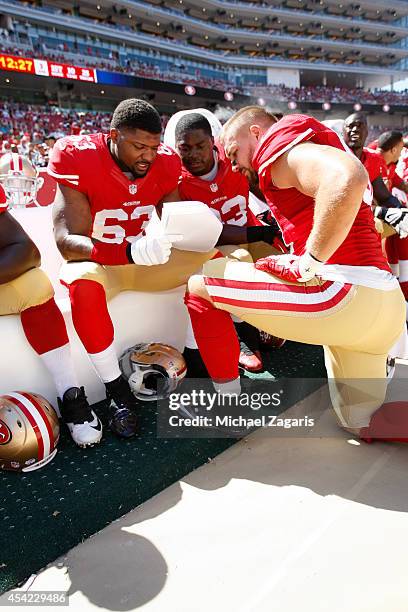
{"x": 153, "y": 370}
{"x": 20, "y": 180}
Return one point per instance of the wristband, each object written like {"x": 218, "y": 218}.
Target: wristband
{"x": 392, "y": 202}
{"x": 380, "y": 212}
{"x": 261, "y": 233}
{"x": 111, "y": 254}
{"x": 313, "y": 257}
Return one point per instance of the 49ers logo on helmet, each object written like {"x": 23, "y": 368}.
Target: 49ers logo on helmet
{"x": 5, "y": 433}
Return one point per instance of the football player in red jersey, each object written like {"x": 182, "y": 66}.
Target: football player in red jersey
{"x": 335, "y": 289}
{"x": 389, "y": 208}
{"x": 108, "y": 187}
{"x": 355, "y": 132}
{"x": 26, "y": 290}
{"x": 391, "y": 216}
{"x": 390, "y": 145}
{"x": 207, "y": 176}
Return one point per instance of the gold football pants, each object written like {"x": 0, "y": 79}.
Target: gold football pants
{"x": 356, "y": 326}
{"x": 29, "y": 289}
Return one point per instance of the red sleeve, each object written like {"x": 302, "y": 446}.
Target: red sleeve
{"x": 282, "y": 136}
{"x": 397, "y": 180}
{"x": 63, "y": 165}
{"x": 373, "y": 163}
{"x": 3, "y": 200}
{"x": 383, "y": 169}
{"x": 170, "y": 169}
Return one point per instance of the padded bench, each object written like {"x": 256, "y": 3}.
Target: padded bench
{"x": 137, "y": 317}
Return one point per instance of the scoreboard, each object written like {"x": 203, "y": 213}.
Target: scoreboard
{"x": 17, "y": 64}
{"x": 47, "y": 68}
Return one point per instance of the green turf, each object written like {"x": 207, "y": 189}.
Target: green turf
{"x": 45, "y": 513}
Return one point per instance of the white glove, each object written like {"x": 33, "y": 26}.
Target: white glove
{"x": 396, "y": 217}
{"x": 152, "y": 251}
{"x": 291, "y": 268}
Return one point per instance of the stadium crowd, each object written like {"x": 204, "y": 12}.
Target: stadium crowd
{"x": 31, "y": 129}
{"x": 320, "y": 93}
{"x": 131, "y": 66}
{"x": 177, "y": 73}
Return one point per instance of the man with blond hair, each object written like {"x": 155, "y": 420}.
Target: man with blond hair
{"x": 334, "y": 289}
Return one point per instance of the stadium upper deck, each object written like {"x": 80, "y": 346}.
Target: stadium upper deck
{"x": 363, "y": 44}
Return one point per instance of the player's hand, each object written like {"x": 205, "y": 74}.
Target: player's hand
{"x": 396, "y": 217}
{"x": 291, "y": 268}
{"x": 152, "y": 251}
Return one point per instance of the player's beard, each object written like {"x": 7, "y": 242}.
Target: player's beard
{"x": 250, "y": 175}
{"x": 140, "y": 172}
{"x": 355, "y": 146}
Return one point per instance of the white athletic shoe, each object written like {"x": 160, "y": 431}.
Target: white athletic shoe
{"x": 83, "y": 424}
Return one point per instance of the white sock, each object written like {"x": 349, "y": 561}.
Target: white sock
{"x": 59, "y": 364}
{"x": 106, "y": 364}
{"x": 190, "y": 338}
{"x": 395, "y": 269}
{"x": 232, "y": 387}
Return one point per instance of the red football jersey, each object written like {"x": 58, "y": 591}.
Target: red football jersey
{"x": 390, "y": 175}
{"x": 373, "y": 163}
{"x": 227, "y": 195}
{"x": 120, "y": 207}
{"x": 294, "y": 211}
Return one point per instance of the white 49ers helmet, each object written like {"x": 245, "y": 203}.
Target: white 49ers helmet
{"x": 29, "y": 431}
{"x": 153, "y": 370}
{"x": 19, "y": 179}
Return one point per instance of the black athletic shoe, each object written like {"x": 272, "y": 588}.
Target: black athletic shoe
{"x": 123, "y": 406}
{"x": 82, "y": 422}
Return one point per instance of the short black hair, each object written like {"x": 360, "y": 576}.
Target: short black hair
{"x": 359, "y": 116}
{"x": 388, "y": 140}
{"x": 192, "y": 121}
{"x": 136, "y": 114}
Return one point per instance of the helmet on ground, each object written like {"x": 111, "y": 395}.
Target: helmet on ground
{"x": 29, "y": 431}
{"x": 153, "y": 370}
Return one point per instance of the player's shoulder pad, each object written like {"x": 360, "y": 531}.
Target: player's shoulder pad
{"x": 372, "y": 152}
{"x": 169, "y": 158}
{"x": 296, "y": 121}
{"x": 166, "y": 151}
{"x": 293, "y": 128}
{"x": 77, "y": 143}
